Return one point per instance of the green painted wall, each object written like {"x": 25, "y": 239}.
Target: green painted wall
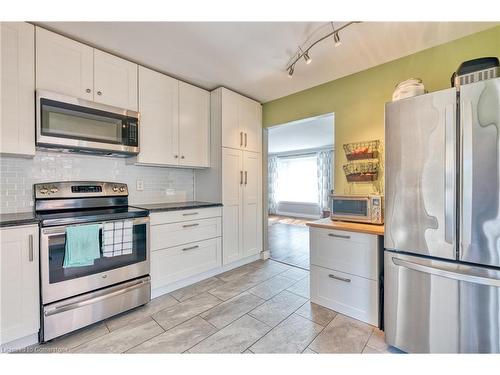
{"x": 358, "y": 100}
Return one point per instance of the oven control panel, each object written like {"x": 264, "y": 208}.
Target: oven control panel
{"x": 79, "y": 189}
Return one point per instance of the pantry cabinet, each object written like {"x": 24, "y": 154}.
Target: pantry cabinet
{"x": 17, "y": 89}
{"x": 241, "y": 120}
{"x": 242, "y": 202}
{"x": 19, "y": 283}
{"x": 75, "y": 69}
{"x": 175, "y": 122}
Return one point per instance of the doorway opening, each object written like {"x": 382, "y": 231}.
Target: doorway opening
{"x": 299, "y": 180}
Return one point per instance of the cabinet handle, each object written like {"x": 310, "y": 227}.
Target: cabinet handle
{"x": 176, "y": 156}
{"x": 331, "y": 276}
{"x": 339, "y": 236}
{"x": 99, "y": 93}
{"x": 241, "y": 177}
{"x": 241, "y": 139}
{"x": 190, "y": 225}
{"x": 88, "y": 90}
{"x": 182, "y": 157}
{"x": 246, "y": 177}
{"x": 245, "y": 139}
{"x": 30, "y": 254}
{"x": 190, "y": 214}
{"x": 190, "y": 248}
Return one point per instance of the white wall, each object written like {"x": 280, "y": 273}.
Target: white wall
{"x": 18, "y": 176}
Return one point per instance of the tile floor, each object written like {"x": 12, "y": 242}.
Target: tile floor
{"x": 262, "y": 307}
{"x": 289, "y": 243}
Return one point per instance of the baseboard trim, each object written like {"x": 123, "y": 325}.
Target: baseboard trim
{"x": 19, "y": 344}
{"x": 266, "y": 254}
{"x": 298, "y": 215}
{"x": 202, "y": 276}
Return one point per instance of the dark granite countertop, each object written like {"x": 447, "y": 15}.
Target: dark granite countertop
{"x": 176, "y": 206}
{"x": 18, "y": 218}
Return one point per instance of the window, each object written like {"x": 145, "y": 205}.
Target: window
{"x": 298, "y": 179}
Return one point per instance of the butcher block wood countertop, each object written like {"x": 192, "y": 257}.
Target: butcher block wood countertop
{"x": 350, "y": 227}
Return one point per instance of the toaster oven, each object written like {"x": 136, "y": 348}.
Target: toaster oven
{"x": 358, "y": 208}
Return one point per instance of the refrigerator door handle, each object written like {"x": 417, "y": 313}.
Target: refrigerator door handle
{"x": 450, "y": 175}
{"x": 438, "y": 271}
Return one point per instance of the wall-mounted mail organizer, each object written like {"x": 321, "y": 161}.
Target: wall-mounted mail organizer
{"x": 362, "y": 150}
{"x": 361, "y": 172}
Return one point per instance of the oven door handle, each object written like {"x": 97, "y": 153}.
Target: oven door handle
{"x": 92, "y": 300}
{"x": 53, "y": 231}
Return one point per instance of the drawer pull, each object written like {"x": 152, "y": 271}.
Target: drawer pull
{"x": 30, "y": 254}
{"x": 190, "y": 225}
{"x": 190, "y": 214}
{"x": 331, "y": 276}
{"x": 190, "y": 248}
{"x": 339, "y": 236}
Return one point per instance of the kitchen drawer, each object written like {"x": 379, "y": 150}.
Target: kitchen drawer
{"x": 350, "y": 252}
{"x": 354, "y": 296}
{"x": 175, "y": 234}
{"x": 177, "y": 263}
{"x": 184, "y": 215}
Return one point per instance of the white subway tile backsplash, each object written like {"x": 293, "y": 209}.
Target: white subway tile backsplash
{"x": 18, "y": 176}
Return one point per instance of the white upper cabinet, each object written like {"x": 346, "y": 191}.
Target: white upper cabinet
{"x": 115, "y": 81}
{"x": 17, "y": 134}
{"x": 194, "y": 126}
{"x": 241, "y": 122}
{"x": 63, "y": 65}
{"x": 159, "y": 109}
{"x": 75, "y": 69}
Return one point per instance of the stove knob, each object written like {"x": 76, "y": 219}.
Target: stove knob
{"x": 44, "y": 190}
{"x": 122, "y": 189}
{"x": 54, "y": 190}
{"x": 115, "y": 189}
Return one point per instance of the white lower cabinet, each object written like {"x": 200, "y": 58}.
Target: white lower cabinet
{"x": 19, "y": 283}
{"x": 176, "y": 263}
{"x": 345, "y": 268}
{"x": 184, "y": 244}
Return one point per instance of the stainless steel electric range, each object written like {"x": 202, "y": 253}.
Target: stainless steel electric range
{"x": 74, "y": 296}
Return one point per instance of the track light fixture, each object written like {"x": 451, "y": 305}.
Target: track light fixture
{"x": 305, "y": 53}
{"x": 306, "y": 57}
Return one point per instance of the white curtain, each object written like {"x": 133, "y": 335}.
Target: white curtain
{"x": 325, "y": 180}
{"x": 272, "y": 184}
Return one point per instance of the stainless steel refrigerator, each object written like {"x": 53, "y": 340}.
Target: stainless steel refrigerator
{"x": 442, "y": 221}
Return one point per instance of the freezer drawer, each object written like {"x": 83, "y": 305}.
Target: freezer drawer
{"x": 420, "y": 173}
{"x": 433, "y": 306}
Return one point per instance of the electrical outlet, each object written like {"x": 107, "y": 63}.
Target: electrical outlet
{"x": 139, "y": 185}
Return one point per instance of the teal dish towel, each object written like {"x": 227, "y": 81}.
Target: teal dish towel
{"x": 82, "y": 245}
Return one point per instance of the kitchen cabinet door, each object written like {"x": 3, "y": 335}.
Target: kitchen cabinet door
{"x": 63, "y": 65}
{"x": 18, "y": 85}
{"x": 232, "y": 136}
{"x": 19, "y": 285}
{"x": 159, "y": 109}
{"x": 232, "y": 182}
{"x": 250, "y": 118}
{"x": 194, "y": 126}
{"x": 252, "y": 203}
{"x": 115, "y": 81}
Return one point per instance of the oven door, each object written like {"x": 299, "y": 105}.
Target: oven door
{"x": 59, "y": 283}
{"x": 351, "y": 209}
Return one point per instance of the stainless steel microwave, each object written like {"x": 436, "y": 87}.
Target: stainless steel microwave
{"x": 358, "y": 208}
{"x": 72, "y": 124}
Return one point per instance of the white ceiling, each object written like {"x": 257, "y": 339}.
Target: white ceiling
{"x": 315, "y": 132}
{"x": 250, "y": 57}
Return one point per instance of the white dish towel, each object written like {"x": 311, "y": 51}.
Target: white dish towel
{"x": 117, "y": 238}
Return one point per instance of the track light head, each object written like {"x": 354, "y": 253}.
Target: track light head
{"x": 336, "y": 39}
{"x": 307, "y": 58}
{"x": 290, "y": 71}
